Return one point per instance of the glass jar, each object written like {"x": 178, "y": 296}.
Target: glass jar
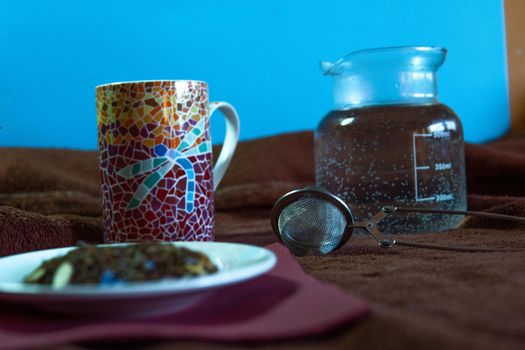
{"x": 388, "y": 141}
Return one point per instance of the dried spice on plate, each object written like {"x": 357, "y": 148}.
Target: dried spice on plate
{"x": 144, "y": 261}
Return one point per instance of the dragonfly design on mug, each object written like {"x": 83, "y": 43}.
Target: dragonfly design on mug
{"x": 167, "y": 158}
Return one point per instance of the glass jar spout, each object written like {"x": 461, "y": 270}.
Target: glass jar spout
{"x": 386, "y": 76}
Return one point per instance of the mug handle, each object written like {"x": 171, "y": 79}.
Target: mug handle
{"x": 230, "y": 141}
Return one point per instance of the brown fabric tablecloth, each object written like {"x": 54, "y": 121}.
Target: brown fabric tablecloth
{"x": 420, "y": 298}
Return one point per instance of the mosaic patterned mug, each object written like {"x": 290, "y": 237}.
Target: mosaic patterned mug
{"x": 156, "y": 159}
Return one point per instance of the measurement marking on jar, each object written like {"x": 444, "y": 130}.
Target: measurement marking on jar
{"x": 444, "y": 197}
{"x": 443, "y": 166}
{"x": 441, "y": 134}
{"x": 417, "y": 168}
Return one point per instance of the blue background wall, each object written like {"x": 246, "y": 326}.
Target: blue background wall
{"x": 261, "y": 56}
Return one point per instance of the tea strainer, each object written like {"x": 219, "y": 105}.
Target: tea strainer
{"x": 314, "y": 221}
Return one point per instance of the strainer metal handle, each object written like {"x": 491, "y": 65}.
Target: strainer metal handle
{"x": 371, "y": 225}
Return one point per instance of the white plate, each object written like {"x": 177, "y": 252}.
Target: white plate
{"x": 235, "y": 262}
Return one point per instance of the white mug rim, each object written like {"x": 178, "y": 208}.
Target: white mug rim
{"x": 181, "y": 81}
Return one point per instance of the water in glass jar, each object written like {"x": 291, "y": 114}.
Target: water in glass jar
{"x": 401, "y": 155}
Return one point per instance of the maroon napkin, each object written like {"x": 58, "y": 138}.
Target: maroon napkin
{"x": 284, "y": 303}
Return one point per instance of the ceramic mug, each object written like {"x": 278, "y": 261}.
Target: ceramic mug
{"x": 155, "y": 158}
